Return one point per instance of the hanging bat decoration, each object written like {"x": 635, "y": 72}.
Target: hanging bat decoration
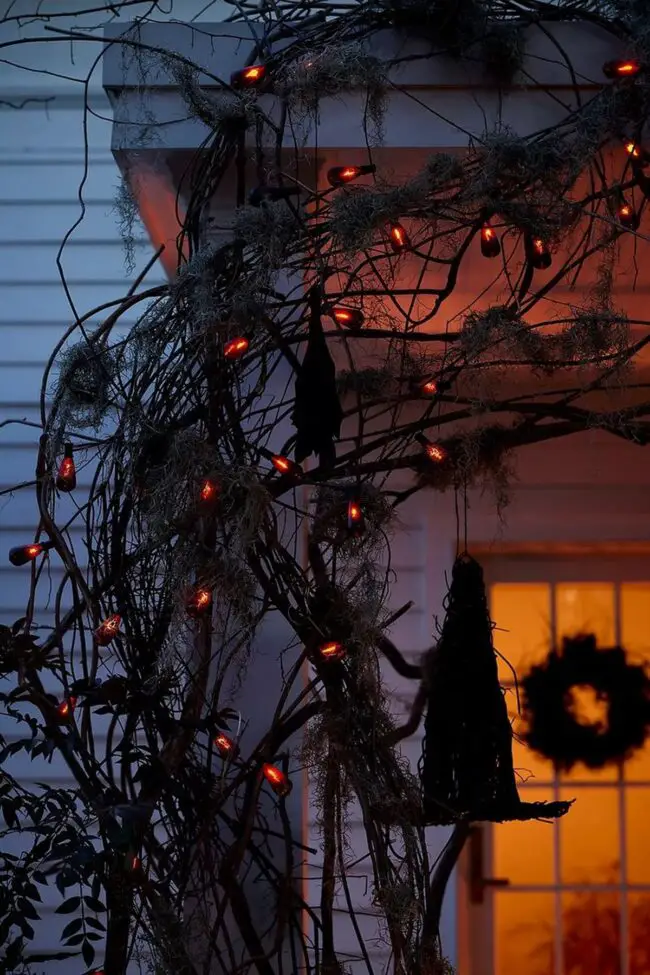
{"x": 317, "y": 413}
{"x": 466, "y": 770}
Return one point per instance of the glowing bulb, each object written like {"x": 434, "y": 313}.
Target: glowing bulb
{"x": 398, "y": 237}
{"x": 66, "y": 479}
{"x": 490, "y": 246}
{"x": 235, "y": 348}
{"x": 23, "y": 554}
{"x": 286, "y": 466}
{"x": 332, "y": 651}
{"x": 277, "y": 780}
{"x": 209, "y": 491}
{"x": 199, "y": 603}
{"x": 339, "y": 175}
{"x": 430, "y": 387}
{"x": 350, "y": 317}
{"x": 248, "y": 77}
{"x": 224, "y": 745}
{"x": 108, "y": 630}
{"x": 621, "y": 69}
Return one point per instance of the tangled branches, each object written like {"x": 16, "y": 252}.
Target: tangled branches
{"x": 195, "y": 517}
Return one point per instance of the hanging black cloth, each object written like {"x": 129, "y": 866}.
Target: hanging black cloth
{"x": 466, "y": 769}
{"x": 317, "y": 412}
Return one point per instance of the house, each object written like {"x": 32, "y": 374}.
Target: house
{"x": 570, "y": 555}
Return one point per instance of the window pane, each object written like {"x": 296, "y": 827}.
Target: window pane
{"x": 521, "y": 612}
{"x": 635, "y": 637}
{"x": 638, "y": 919}
{"x": 637, "y": 814}
{"x": 591, "y": 940}
{"x": 524, "y": 926}
{"x": 590, "y": 837}
{"x": 523, "y": 852}
{"x": 586, "y": 607}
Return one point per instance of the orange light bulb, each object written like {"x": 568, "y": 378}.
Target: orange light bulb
{"x": 627, "y": 216}
{"x": 622, "y": 69}
{"x": 277, "y": 780}
{"x": 286, "y": 466}
{"x": 250, "y": 77}
{"x": 23, "y": 554}
{"x": 430, "y": 387}
{"x": 199, "y": 603}
{"x": 436, "y": 452}
{"x": 108, "y": 630}
{"x": 65, "y": 708}
{"x": 235, "y": 348}
{"x": 399, "y": 240}
{"x": 490, "y": 246}
{"x": 332, "y": 651}
{"x": 209, "y": 491}
{"x": 224, "y": 745}
{"x": 349, "y": 317}
{"x": 66, "y": 479}
{"x": 356, "y": 523}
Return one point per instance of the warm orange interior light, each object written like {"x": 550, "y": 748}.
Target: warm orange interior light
{"x": 235, "y": 348}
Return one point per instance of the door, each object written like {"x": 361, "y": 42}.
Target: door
{"x": 572, "y": 897}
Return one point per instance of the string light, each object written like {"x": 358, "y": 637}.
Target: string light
{"x": 251, "y": 77}
{"x": 349, "y": 317}
{"x": 627, "y": 216}
{"x": 490, "y": 246}
{"x": 209, "y": 492}
{"x": 225, "y": 746}
{"x": 276, "y": 778}
{"x": 434, "y": 451}
{"x": 66, "y": 479}
{"x": 332, "y": 651}
{"x": 65, "y": 708}
{"x": 638, "y": 155}
{"x": 399, "y": 240}
{"x": 198, "y": 604}
{"x": 107, "y": 630}
{"x": 621, "y": 69}
{"x": 356, "y": 522}
{"x": 430, "y": 387}
{"x": 23, "y": 554}
{"x": 235, "y": 348}
{"x": 286, "y": 466}
{"x": 539, "y": 255}
{"x": 339, "y": 175}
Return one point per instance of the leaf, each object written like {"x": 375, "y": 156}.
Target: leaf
{"x": 94, "y": 922}
{"x": 26, "y": 928}
{"x": 72, "y": 904}
{"x": 9, "y": 813}
{"x": 88, "y": 952}
{"x": 18, "y": 625}
{"x": 95, "y": 937}
{"x": 76, "y": 939}
{"x": 94, "y": 904}
{"x": 28, "y": 909}
{"x": 76, "y": 924}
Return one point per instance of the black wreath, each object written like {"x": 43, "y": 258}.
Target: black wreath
{"x": 553, "y": 731}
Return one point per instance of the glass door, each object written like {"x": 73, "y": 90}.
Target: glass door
{"x": 572, "y": 897}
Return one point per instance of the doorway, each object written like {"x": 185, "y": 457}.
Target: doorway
{"x": 570, "y": 897}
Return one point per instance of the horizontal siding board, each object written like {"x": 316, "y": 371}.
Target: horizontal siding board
{"x": 20, "y": 265}
{"x": 45, "y": 299}
{"x": 51, "y": 221}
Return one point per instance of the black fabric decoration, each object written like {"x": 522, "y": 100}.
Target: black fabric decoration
{"x": 556, "y": 732}
{"x": 466, "y": 769}
{"x": 317, "y": 412}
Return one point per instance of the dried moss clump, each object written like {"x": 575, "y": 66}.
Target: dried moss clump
{"x": 333, "y": 70}
{"x": 271, "y": 230}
